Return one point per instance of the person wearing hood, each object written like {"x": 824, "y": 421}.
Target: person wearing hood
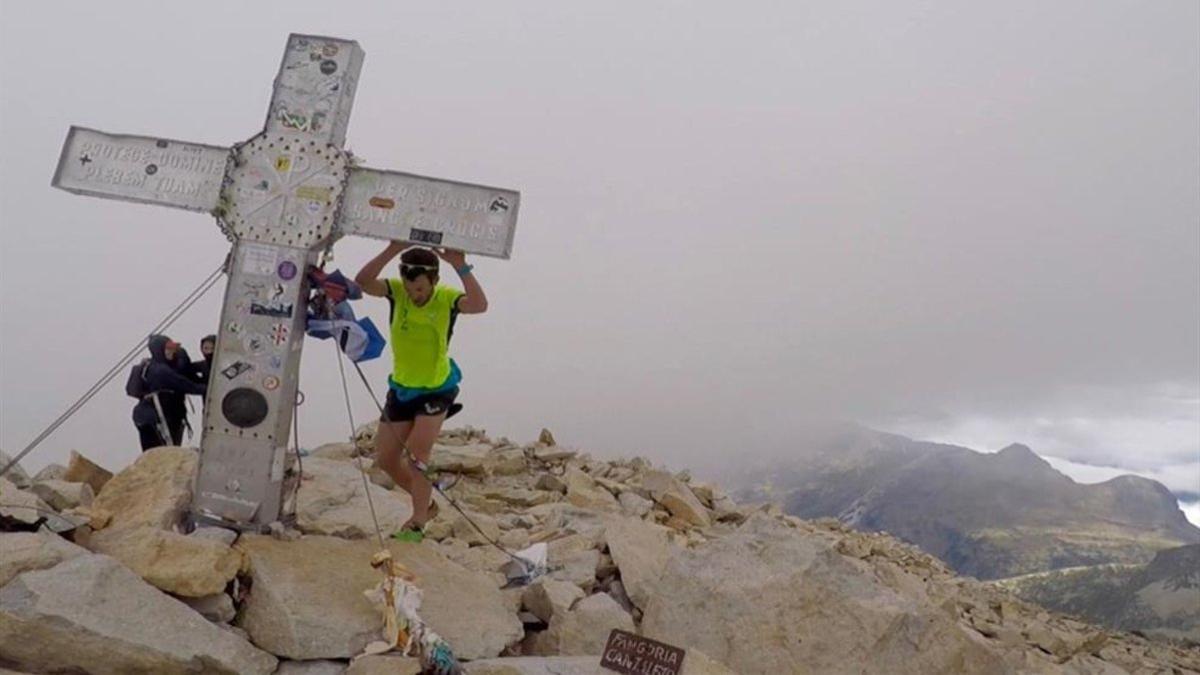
{"x": 200, "y": 370}
{"x": 162, "y": 409}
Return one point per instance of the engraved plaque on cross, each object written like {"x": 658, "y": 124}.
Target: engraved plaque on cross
{"x": 281, "y": 197}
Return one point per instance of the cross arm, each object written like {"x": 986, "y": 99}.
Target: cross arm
{"x": 405, "y": 207}
{"x": 141, "y": 169}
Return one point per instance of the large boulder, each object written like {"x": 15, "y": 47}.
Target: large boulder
{"x": 333, "y": 500}
{"x": 80, "y": 469}
{"x": 176, "y": 563}
{"x": 25, "y": 551}
{"x": 307, "y": 602}
{"x": 640, "y": 550}
{"x": 91, "y": 614}
{"x": 154, "y": 491}
{"x": 767, "y": 599}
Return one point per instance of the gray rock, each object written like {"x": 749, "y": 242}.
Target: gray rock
{"x": 217, "y": 608}
{"x": 584, "y": 492}
{"x": 332, "y": 501}
{"x": 548, "y": 597}
{"x": 676, "y": 497}
{"x": 694, "y": 663}
{"x": 221, "y": 534}
{"x": 91, "y": 614}
{"x": 62, "y": 495}
{"x": 16, "y": 473}
{"x": 22, "y": 505}
{"x": 320, "y": 667}
{"x": 578, "y": 568}
{"x": 384, "y": 664}
{"x": 25, "y": 551}
{"x": 50, "y": 472}
{"x": 338, "y": 451}
{"x": 634, "y": 505}
{"x": 538, "y": 665}
{"x": 641, "y": 551}
{"x": 551, "y": 483}
{"x": 585, "y": 628}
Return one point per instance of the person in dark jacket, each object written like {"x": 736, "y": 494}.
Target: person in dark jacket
{"x": 163, "y": 408}
{"x": 200, "y": 370}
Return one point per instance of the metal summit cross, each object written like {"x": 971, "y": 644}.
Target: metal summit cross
{"x": 280, "y": 197}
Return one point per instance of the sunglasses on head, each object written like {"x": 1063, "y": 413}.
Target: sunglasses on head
{"x": 411, "y": 272}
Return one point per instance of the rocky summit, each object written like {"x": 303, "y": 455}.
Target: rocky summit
{"x": 741, "y": 588}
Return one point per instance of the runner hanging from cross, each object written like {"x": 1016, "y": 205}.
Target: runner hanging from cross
{"x": 424, "y": 379}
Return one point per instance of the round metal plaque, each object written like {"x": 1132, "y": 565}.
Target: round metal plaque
{"x": 244, "y": 407}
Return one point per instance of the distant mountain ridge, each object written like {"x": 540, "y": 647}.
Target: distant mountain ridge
{"x": 989, "y": 515}
{"x": 1160, "y": 599}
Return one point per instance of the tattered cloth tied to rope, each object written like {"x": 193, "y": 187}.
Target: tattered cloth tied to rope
{"x": 398, "y": 598}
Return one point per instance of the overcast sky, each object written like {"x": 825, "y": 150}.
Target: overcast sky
{"x": 963, "y": 221}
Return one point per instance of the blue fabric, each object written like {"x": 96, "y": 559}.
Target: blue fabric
{"x": 360, "y": 339}
{"x": 409, "y": 393}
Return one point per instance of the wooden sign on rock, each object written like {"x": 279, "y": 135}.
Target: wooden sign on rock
{"x": 637, "y": 655}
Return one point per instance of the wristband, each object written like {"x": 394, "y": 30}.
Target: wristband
{"x": 464, "y": 270}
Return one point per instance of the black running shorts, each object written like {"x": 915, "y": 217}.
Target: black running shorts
{"x": 426, "y": 404}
